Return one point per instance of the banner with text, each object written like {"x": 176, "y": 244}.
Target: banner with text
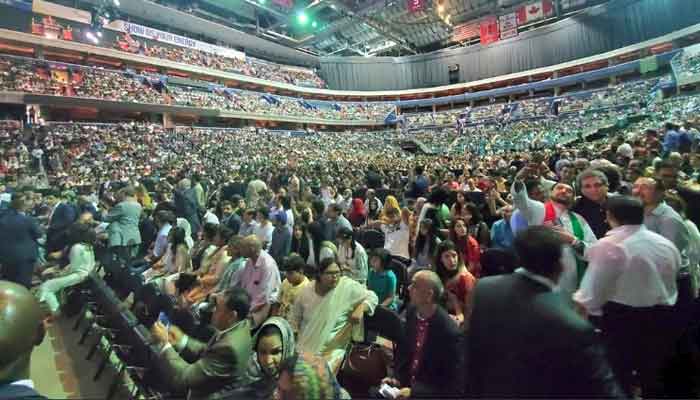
{"x": 170, "y": 38}
{"x": 508, "y": 24}
{"x": 488, "y": 30}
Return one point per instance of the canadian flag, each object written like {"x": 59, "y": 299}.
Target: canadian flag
{"x": 534, "y": 11}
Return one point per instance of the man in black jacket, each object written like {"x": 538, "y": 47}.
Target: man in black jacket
{"x": 19, "y": 248}
{"x": 428, "y": 356}
{"x": 526, "y": 340}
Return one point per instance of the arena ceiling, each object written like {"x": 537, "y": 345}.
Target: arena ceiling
{"x": 349, "y": 27}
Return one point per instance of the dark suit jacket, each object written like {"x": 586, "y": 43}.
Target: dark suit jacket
{"x": 440, "y": 369}
{"x": 186, "y": 207}
{"x": 64, "y": 215}
{"x": 233, "y": 222}
{"x": 18, "y": 237}
{"x": 206, "y": 369}
{"x": 526, "y": 341}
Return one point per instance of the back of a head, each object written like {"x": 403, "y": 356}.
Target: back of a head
{"x": 237, "y": 299}
{"x": 539, "y": 250}
{"x": 626, "y": 210}
{"x": 21, "y": 327}
{"x": 293, "y": 262}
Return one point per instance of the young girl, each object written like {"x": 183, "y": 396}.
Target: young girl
{"x": 381, "y": 281}
{"x": 467, "y": 246}
{"x": 459, "y": 283}
{"x": 426, "y": 243}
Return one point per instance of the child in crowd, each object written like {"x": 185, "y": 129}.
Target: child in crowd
{"x": 293, "y": 266}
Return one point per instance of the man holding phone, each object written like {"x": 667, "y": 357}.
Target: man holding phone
{"x": 571, "y": 227}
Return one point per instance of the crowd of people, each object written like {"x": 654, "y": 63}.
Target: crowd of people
{"x": 33, "y": 76}
{"x": 246, "y": 66}
{"x": 481, "y": 256}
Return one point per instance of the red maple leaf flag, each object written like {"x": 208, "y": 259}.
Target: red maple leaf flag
{"x": 534, "y": 11}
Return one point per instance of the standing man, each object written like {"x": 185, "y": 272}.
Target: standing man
{"x": 525, "y": 340}
{"x": 591, "y": 205}
{"x": 631, "y": 283}
{"x": 19, "y": 248}
{"x": 123, "y": 234}
{"x": 570, "y": 226}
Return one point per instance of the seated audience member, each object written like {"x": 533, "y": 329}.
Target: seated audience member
{"x": 229, "y": 217}
{"x": 207, "y": 369}
{"x": 281, "y": 243}
{"x": 236, "y": 263}
{"x": 426, "y": 244}
{"x": 467, "y": 246}
{"x": 208, "y": 280}
{"x": 501, "y": 231}
{"x": 631, "y": 283}
{"x": 21, "y": 329}
{"x": 458, "y": 281}
{"x": 301, "y": 243}
{"x": 336, "y": 222}
{"x": 203, "y": 251}
{"x": 308, "y": 377}
{"x": 293, "y": 266}
{"x": 352, "y": 257}
{"x": 264, "y": 228}
{"x": 272, "y": 346}
{"x": 356, "y": 214}
{"x": 542, "y": 347}
{"x": 176, "y": 260}
{"x": 81, "y": 262}
{"x": 249, "y": 223}
{"x": 260, "y": 277}
{"x": 382, "y": 281}
{"x": 428, "y": 357}
{"x": 328, "y": 313}
{"x": 19, "y": 247}
{"x": 164, "y": 222}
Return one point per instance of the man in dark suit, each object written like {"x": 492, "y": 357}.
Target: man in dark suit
{"x": 61, "y": 218}
{"x": 207, "y": 369}
{"x": 229, "y": 217}
{"x": 186, "y": 205}
{"x": 21, "y": 329}
{"x": 526, "y": 340}
{"x": 428, "y": 356}
{"x": 19, "y": 249}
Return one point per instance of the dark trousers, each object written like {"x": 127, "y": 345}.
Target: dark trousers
{"x": 640, "y": 339}
{"x": 19, "y": 272}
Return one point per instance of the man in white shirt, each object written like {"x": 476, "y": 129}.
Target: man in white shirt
{"x": 631, "y": 283}
{"x": 164, "y": 220}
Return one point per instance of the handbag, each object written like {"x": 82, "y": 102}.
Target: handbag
{"x": 364, "y": 366}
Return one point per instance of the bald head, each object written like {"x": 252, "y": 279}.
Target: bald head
{"x": 21, "y": 328}
{"x": 429, "y": 280}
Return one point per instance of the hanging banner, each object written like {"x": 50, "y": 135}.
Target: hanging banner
{"x": 534, "y": 11}
{"x": 466, "y": 31}
{"x": 569, "y": 4}
{"x": 508, "y": 25}
{"x": 171, "y": 38}
{"x": 59, "y": 11}
{"x": 488, "y": 30}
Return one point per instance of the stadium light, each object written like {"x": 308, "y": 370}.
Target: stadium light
{"x": 302, "y": 18}
{"x": 117, "y": 3}
{"x": 314, "y": 24}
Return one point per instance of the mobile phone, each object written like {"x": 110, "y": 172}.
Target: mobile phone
{"x": 388, "y": 392}
{"x": 163, "y": 318}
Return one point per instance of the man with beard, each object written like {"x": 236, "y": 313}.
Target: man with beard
{"x": 572, "y": 227}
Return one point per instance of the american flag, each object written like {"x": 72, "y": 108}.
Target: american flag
{"x": 465, "y": 31}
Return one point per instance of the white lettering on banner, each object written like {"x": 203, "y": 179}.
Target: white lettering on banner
{"x": 170, "y": 38}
